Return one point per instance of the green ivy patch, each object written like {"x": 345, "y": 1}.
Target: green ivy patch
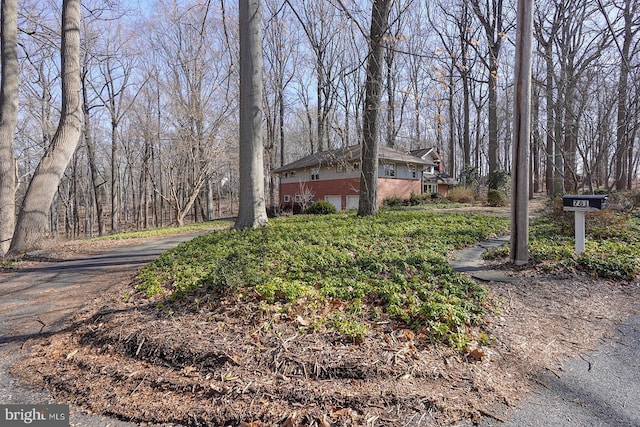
{"x": 340, "y": 270}
{"x": 612, "y": 245}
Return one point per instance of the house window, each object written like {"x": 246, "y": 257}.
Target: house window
{"x": 292, "y": 174}
{"x": 356, "y": 166}
{"x": 389, "y": 169}
{"x": 412, "y": 169}
{"x": 286, "y": 198}
{"x": 315, "y": 175}
{"x": 298, "y": 198}
{"x": 341, "y": 168}
{"x": 430, "y": 188}
{"x": 429, "y": 170}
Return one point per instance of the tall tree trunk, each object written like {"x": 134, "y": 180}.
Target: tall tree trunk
{"x": 32, "y": 220}
{"x": 391, "y": 110}
{"x": 490, "y": 16}
{"x": 8, "y": 120}
{"x": 551, "y": 156}
{"x": 115, "y": 179}
{"x": 252, "y": 210}
{"x": 451, "y": 160}
{"x": 96, "y": 182}
{"x": 492, "y": 154}
{"x": 536, "y": 143}
{"x": 622, "y": 154}
{"x": 371, "y": 118}
{"x": 519, "y": 252}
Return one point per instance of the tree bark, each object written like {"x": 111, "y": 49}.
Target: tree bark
{"x": 491, "y": 19}
{"x": 623, "y": 142}
{"x": 371, "y": 119}
{"x": 97, "y": 183}
{"x": 252, "y": 209}
{"x": 8, "y": 120}
{"x": 32, "y": 220}
{"x": 521, "y": 135}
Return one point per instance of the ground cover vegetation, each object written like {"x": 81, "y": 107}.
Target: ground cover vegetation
{"x": 332, "y": 320}
{"x": 339, "y": 272}
{"x": 612, "y": 241}
{"x": 165, "y": 231}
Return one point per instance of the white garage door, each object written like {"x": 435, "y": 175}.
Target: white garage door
{"x": 335, "y": 201}
{"x": 353, "y": 202}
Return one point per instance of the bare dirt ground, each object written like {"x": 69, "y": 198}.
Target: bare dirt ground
{"x": 225, "y": 363}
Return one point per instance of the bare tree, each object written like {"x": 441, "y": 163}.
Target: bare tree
{"x": 8, "y": 120}
{"x": 491, "y": 17}
{"x": 630, "y": 11}
{"x": 195, "y": 72}
{"x": 318, "y": 20}
{"x": 115, "y": 67}
{"x": 280, "y": 60}
{"x": 371, "y": 118}
{"x": 32, "y": 219}
{"x": 548, "y": 22}
{"x": 252, "y": 210}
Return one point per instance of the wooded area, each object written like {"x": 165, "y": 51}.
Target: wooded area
{"x": 160, "y": 94}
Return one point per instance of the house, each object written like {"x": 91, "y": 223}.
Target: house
{"x": 434, "y": 179}
{"x": 334, "y": 176}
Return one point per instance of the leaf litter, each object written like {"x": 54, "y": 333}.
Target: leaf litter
{"x": 228, "y": 363}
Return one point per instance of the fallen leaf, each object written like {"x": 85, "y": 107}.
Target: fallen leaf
{"x": 476, "y": 354}
{"x": 301, "y": 321}
{"x": 187, "y": 370}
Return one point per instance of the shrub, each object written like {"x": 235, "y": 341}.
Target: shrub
{"x": 499, "y": 179}
{"x": 419, "y": 199}
{"x": 469, "y": 177}
{"x": 392, "y": 201}
{"x": 321, "y": 207}
{"x": 461, "y": 195}
{"x": 497, "y": 198}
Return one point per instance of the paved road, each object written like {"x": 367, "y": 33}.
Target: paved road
{"x": 36, "y": 301}
{"x": 597, "y": 389}
{"x": 601, "y": 388}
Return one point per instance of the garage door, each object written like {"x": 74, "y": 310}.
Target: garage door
{"x": 353, "y": 202}
{"x": 335, "y": 201}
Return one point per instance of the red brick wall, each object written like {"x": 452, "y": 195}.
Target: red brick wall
{"x": 398, "y": 188}
{"x": 387, "y": 187}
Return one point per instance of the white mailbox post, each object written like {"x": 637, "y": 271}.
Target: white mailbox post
{"x": 580, "y": 205}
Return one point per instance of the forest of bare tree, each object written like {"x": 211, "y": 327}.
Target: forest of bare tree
{"x": 159, "y": 93}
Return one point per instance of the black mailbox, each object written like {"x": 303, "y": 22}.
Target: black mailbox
{"x": 586, "y": 203}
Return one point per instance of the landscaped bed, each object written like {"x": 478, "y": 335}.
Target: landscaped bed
{"x": 327, "y": 320}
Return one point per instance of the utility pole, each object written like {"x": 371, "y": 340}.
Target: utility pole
{"x": 521, "y": 135}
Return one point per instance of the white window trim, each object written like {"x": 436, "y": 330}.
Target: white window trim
{"x": 389, "y": 170}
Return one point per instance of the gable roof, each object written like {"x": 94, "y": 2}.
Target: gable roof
{"x": 350, "y": 154}
{"x": 422, "y": 152}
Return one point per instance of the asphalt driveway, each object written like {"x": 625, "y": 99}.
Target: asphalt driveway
{"x": 38, "y": 300}
{"x": 601, "y": 388}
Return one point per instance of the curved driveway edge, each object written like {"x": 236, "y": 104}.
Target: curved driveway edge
{"x": 37, "y": 301}
{"x": 596, "y": 389}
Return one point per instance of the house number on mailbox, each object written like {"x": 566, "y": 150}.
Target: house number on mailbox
{"x": 580, "y": 203}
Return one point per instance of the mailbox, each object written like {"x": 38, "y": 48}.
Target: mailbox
{"x": 580, "y": 204}
{"x": 584, "y": 203}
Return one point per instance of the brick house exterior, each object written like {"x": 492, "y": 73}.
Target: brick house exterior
{"x": 334, "y": 176}
{"x": 434, "y": 179}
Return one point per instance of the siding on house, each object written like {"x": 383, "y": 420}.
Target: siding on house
{"x": 337, "y": 173}
{"x": 319, "y": 189}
